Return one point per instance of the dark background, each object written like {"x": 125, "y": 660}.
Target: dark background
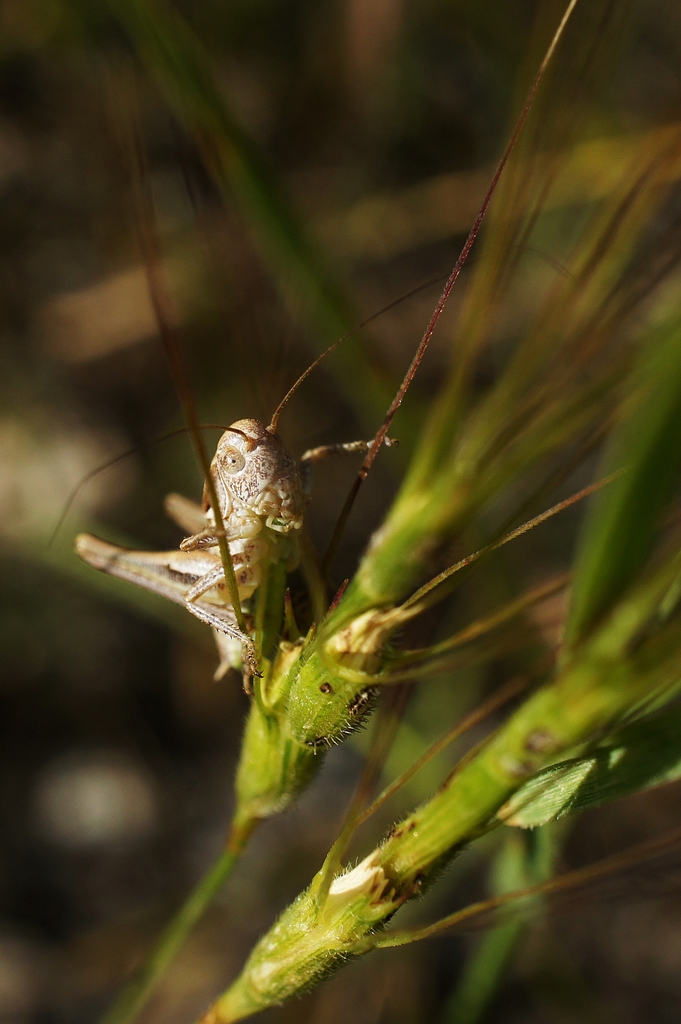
{"x": 118, "y": 749}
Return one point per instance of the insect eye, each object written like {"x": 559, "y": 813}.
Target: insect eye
{"x": 232, "y": 460}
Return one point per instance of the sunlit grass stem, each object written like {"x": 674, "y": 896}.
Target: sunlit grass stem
{"x": 138, "y": 991}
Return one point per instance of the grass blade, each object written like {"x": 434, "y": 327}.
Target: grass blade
{"x": 176, "y": 59}
{"x": 137, "y": 992}
{"x": 622, "y": 524}
{"x": 638, "y": 757}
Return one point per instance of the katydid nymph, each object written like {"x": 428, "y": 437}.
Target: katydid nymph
{"x": 262, "y": 493}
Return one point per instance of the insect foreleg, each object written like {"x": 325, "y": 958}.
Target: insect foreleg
{"x": 330, "y": 451}
{"x": 207, "y": 538}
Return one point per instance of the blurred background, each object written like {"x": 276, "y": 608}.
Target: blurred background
{"x": 358, "y": 137}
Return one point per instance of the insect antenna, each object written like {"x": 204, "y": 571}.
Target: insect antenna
{"x": 109, "y": 463}
{"x": 358, "y": 327}
{"x": 423, "y": 286}
{"x": 554, "y": 263}
{"x": 75, "y": 491}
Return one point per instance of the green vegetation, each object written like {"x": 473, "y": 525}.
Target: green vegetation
{"x": 557, "y": 382}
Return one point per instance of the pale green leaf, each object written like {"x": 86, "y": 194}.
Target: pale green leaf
{"x": 623, "y": 520}
{"x": 637, "y": 757}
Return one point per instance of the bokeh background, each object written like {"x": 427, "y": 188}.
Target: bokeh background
{"x": 377, "y": 122}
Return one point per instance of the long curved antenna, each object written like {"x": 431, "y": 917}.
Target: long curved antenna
{"x": 246, "y": 437}
{"x": 554, "y": 263}
{"x": 75, "y": 491}
{"x": 374, "y": 316}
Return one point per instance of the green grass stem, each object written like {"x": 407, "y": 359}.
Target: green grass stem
{"x": 138, "y": 991}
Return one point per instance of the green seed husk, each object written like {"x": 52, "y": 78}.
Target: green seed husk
{"x": 611, "y": 677}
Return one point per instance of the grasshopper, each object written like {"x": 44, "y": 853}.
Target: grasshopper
{"x": 263, "y": 494}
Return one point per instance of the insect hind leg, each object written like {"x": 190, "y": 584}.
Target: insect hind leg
{"x": 222, "y": 619}
{"x": 213, "y": 578}
{"x": 187, "y": 514}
